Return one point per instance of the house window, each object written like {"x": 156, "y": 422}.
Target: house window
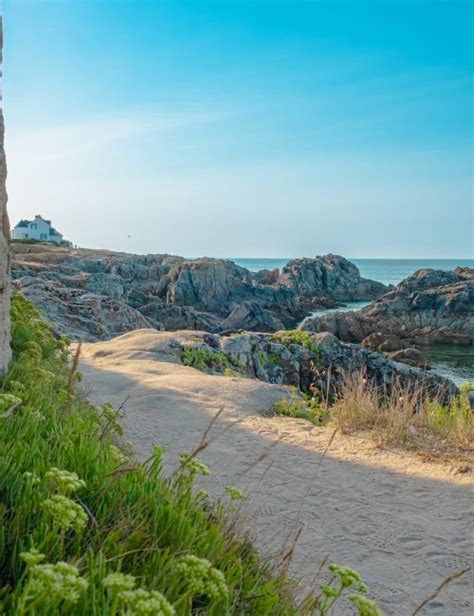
{"x": 34, "y": 225}
{"x": 43, "y": 236}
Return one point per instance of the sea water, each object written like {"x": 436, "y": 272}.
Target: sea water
{"x": 454, "y": 362}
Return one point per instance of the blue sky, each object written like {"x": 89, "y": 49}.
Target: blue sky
{"x": 243, "y": 128}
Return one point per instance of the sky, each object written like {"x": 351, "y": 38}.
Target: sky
{"x": 243, "y": 129}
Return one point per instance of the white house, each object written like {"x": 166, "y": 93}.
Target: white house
{"x": 37, "y": 229}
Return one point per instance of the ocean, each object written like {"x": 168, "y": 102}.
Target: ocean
{"x": 454, "y": 362}
{"x": 388, "y": 271}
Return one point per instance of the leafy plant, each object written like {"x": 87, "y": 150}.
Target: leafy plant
{"x": 205, "y": 360}
{"x": 301, "y": 406}
{"x": 304, "y": 339}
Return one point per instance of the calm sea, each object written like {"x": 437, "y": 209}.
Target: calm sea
{"x": 388, "y": 271}
{"x": 454, "y": 362}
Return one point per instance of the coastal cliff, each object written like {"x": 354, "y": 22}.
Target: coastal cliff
{"x": 96, "y": 294}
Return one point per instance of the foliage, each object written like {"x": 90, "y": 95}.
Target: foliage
{"x": 85, "y": 530}
{"x": 403, "y": 415}
{"x": 75, "y": 511}
{"x": 301, "y": 406}
{"x": 304, "y": 339}
{"x": 205, "y": 360}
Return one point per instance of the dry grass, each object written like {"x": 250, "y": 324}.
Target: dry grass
{"x": 403, "y": 415}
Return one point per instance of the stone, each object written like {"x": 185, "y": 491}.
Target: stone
{"x": 176, "y": 293}
{"x": 428, "y": 307}
{"x": 5, "y": 350}
{"x": 410, "y": 356}
{"x": 252, "y": 317}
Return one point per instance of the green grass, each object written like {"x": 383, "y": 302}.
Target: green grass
{"x": 85, "y": 530}
{"x": 138, "y": 521}
{"x": 205, "y": 360}
{"x": 300, "y": 406}
{"x": 290, "y": 337}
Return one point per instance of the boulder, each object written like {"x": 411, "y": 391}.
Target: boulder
{"x": 410, "y": 356}
{"x": 428, "y": 307}
{"x": 252, "y": 317}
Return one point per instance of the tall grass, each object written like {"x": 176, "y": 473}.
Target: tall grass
{"x": 138, "y": 522}
{"x": 401, "y": 414}
{"x": 85, "y": 530}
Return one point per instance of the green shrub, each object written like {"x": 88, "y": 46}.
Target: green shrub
{"x": 85, "y": 530}
{"x": 301, "y": 406}
{"x": 304, "y": 339}
{"x": 70, "y": 491}
{"x": 205, "y": 360}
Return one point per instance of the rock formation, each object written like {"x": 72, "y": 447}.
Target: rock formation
{"x": 322, "y": 363}
{"x": 215, "y": 295}
{"x": 428, "y": 307}
{"x": 5, "y": 351}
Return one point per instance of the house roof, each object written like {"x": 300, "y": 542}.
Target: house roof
{"x": 23, "y": 223}
{"x": 53, "y": 231}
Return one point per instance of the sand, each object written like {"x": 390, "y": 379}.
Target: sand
{"x": 403, "y": 522}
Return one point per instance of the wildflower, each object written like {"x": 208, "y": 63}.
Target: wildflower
{"x": 117, "y": 582}
{"x": 346, "y": 576}
{"x": 193, "y": 465}
{"x": 234, "y": 493}
{"x": 32, "y": 478}
{"x": 141, "y": 602}
{"x": 201, "y": 577}
{"x": 33, "y": 557}
{"x": 60, "y": 582}
{"x": 7, "y": 402}
{"x": 65, "y": 512}
{"x": 108, "y": 412}
{"x": 364, "y": 606}
{"x": 118, "y": 456}
{"x": 65, "y": 482}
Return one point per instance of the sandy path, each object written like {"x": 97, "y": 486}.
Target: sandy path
{"x": 405, "y": 524}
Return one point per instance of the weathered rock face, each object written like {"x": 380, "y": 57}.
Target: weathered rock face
{"x": 5, "y": 351}
{"x": 428, "y": 307}
{"x": 263, "y": 356}
{"x": 207, "y": 294}
{"x": 79, "y": 314}
{"x": 250, "y": 316}
{"x": 329, "y": 279}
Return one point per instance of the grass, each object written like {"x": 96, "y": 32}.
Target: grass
{"x": 302, "y": 407}
{"x": 304, "y": 339}
{"x": 403, "y": 416}
{"x": 205, "y": 360}
{"x": 86, "y": 530}
{"x": 132, "y": 519}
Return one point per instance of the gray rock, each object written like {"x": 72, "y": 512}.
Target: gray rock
{"x": 252, "y": 317}
{"x": 428, "y": 307}
{"x": 208, "y": 294}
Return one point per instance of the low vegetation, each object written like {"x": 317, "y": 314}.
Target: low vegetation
{"x": 205, "y": 360}
{"x": 302, "y": 407}
{"x": 304, "y": 339}
{"x": 85, "y": 530}
{"x": 403, "y": 415}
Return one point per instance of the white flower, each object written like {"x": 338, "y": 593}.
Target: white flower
{"x": 64, "y": 482}
{"x": 234, "y": 493}
{"x": 201, "y": 577}
{"x": 60, "y": 582}
{"x": 141, "y": 602}
{"x": 117, "y": 582}
{"x": 65, "y": 512}
{"x": 193, "y": 465}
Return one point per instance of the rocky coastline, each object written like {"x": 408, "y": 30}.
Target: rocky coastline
{"x": 93, "y": 295}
